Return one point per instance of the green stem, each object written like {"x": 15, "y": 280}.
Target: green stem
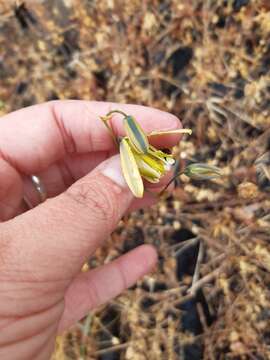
{"x": 169, "y": 183}
{"x": 105, "y": 122}
{"x": 116, "y": 111}
{"x": 109, "y": 127}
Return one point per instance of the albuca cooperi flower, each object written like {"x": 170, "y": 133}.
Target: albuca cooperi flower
{"x": 150, "y": 166}
{"x": 139, "y": 159}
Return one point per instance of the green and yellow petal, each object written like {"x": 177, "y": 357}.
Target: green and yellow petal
{"x": 136, "y": 135}
{"x": 130, "y": 169}
{"x": 149, "y": 167}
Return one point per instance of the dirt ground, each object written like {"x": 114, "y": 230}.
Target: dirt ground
{"x": 208, "y": 62}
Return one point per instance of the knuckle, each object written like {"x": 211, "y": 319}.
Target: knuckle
{"x": 95, "y": 198}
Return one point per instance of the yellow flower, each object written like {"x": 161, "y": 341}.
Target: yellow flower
{"x": 139, "y": 159}
{"x": 150, "y": 166}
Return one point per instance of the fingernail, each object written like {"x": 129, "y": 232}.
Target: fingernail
{"x": 112, "y": 169}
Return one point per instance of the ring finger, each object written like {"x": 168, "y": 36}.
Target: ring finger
{"x": 58, "y": 177}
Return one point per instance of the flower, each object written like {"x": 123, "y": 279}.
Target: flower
{"x": 151, "y": 165}
{"x": 139, "y": 159}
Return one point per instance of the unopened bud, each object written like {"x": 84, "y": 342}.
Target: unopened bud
{"x": 200, "y": 171}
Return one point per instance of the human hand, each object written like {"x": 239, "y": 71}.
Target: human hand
{"x": 42, "y": 290}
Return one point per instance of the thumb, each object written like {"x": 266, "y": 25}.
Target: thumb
{"x": 56, "y": 237}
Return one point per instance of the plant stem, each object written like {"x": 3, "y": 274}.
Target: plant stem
{"x": 116, "y": 111}
{"x": 169, "y": 183}
{"x": 105, "y": 120}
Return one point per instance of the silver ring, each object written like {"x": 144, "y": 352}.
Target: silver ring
{"x": 40, "y": 189}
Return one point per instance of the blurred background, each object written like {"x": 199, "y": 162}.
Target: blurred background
{"x": 208, "y": 62}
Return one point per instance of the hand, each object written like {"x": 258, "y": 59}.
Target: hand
{"x": 42, "y": 250}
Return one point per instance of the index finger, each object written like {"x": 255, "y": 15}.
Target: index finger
{"x": 33, "y": 138}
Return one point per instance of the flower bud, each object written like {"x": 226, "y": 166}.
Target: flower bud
{"x": 200, "y": 171}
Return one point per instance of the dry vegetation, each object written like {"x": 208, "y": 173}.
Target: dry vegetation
{"x": 209, "y": 63}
